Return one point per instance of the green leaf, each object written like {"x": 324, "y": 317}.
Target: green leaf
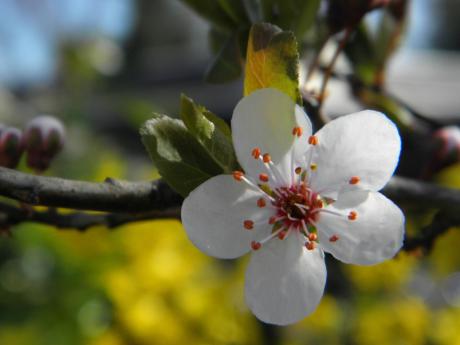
{"x": 254, "y": 10}
{"x": 212, "y": 11}
{"x": 388, "y": 36}
{"x": 211, "y": 132}
{"x": 362, "y": 54}
{"x": 235, "y": 10}
{"x": 398, "y": 114}
{"x": 180, "y": 159}
{"x": 272, "y": 60}
{"x": 297, "y": 15}
{"x": 227, "y": 65}
{"x": 267, "y": 8}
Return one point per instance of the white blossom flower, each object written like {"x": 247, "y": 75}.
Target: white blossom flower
{"x": 300, "y": 195}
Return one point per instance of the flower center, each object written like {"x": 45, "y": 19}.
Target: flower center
{"x": 297, "y": 205}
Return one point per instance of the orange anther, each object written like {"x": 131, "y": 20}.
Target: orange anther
{"x": 313, "y": 140}
{"x": 248, "y": 224}
{"x": 238, "y": 175}
{"x": 312, "y": 236}
{"x": 333, "y": 238}
{"x": 263, "y": 177}
{"x": 298, "y": 170}
{"x": 261, "y": 202}
{"x": 255, "y": 245}
{"x": 282, "y": 234}
{"x": 256, "y": 153}
{"x": 297, "y": 131}
{"x": 354, "y": 180}
{"x": 319, "y": 203}
{"x": 352, "y": 215}
{"x": 310, "y": 245}
{"x": 267, "y": 158}
{"x": 272, "y": 220}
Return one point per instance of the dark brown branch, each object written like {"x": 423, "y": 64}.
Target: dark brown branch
{"x": 11, "y": 215}
{"x": 109, "y": 196}
{"x": 404, "y": 190}
{"x": 128, "y": 202}
{"x": 441, "y": 222}
{"x": 135, "y": 197}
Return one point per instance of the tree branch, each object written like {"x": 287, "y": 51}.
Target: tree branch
{"x": 441, "y": 222}
{"x": 109, "y": 196}
{"x": 405, "y": 190}
{"x": 81, "y": 221}
{"x": 134, "y": 197}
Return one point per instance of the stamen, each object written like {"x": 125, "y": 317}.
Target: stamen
{"x": 354, "y": 180}
{"x": 273, "y": 219}
{"x": 319, "y": 203}
{"x": 310, "y": 245}
{"x": 282, "y": 234}
{"x": 333, "y": 238}
{"x": 312, "y": 236}
{"x": 313, "y": 166}
{"x": 272, "y": 235}
{"x": 238, "y": 175}
{"x": 255, "y": 153}
{"x": 267, "y": 158}
{"x": 261, "y": 202}
{"x": 298, "y": 170}
{"x": 255, "y": 245}
{"x": 248, "y": 224}
{"x": 263, "y": 177}
{"x": 302, "y": 207}
{"x": 352, "y": 215}
{"x": 297, "y": 131}
{"x": 313, "y": 140}
{"x": 325, "y": 210}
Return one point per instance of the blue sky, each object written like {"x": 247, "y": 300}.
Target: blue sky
{"x": 31, "y": 31}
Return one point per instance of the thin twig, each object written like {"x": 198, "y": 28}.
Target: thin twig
{"x": 330, "y": 67}
{"x": 12, "y": 215}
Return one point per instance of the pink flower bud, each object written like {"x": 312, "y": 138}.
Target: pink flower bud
{"x": 449, "y": 150}
{"x": 44, "y": 138}
{"x": 11, "y": 146}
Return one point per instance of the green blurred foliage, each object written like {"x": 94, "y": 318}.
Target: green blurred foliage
{"x": 231, "y": 21}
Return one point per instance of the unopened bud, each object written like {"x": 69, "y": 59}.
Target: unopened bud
{"x": 44, "y": 138}
{"x": 342, "y": 14}
{"x": 449, "y": 150}
{"x": 11, "y": 146}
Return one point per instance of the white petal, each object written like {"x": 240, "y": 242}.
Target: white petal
{"x": 285, "y": 281}
{"x": 364, "y": 144}
{"x": 214, "y": 212}
{"x": 265, "y": 119}
{"x": 376, "y": 235}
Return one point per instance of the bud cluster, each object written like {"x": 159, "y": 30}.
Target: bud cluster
{"x": 41, "y": 140}
{"x": 11, "y": 146}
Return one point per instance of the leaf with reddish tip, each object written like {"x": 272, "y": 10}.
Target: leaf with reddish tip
{"x": 272, "y": 61}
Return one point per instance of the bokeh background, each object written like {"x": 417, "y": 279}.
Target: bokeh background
{"x": 103, "y": 67}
